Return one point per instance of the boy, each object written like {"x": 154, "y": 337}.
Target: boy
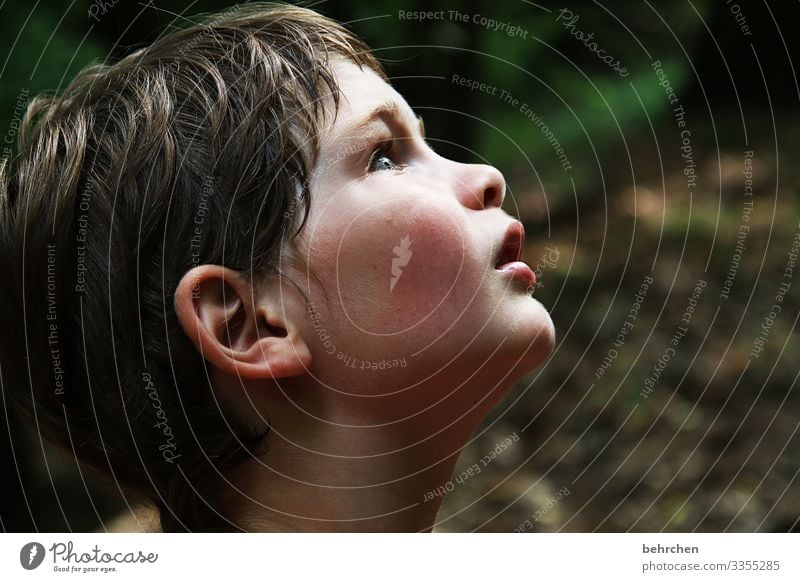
{"x": 244, "y": 290}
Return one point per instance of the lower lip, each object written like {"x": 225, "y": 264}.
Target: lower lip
{"x": 520, "y": 271}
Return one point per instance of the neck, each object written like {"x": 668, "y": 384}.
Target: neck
{"x": 343, "y": 463}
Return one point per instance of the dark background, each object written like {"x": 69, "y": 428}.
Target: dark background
{"x": 714, "y": 446}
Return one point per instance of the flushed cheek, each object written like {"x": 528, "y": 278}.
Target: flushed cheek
{"x": 402, "y": 268}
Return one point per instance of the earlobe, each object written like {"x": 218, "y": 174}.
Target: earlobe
{"x": 241, "y": 334}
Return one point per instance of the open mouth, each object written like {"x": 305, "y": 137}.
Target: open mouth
{"x": 511, "y": 249}
{"x": 509, "y": 257}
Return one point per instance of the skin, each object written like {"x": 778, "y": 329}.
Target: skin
{"x": 354, "y": 447}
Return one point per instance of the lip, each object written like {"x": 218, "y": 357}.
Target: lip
{"x": 511, "y": 246}
{"x": 519, "y": 270}
{"x": 508, "y": 259}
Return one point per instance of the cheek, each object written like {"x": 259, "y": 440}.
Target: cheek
{"x": 401, "y": 267}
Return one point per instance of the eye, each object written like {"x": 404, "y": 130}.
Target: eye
{"x": 383, "y": 158}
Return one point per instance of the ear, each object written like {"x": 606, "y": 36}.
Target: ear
{"x": 242, "y": 334}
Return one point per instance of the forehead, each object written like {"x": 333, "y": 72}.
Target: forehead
{"x": 362, "y": 91}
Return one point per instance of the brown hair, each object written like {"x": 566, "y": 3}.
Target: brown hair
{"x": 194, "y": 150}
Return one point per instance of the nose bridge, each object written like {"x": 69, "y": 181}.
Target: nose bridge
{"x": 480, "y": 186}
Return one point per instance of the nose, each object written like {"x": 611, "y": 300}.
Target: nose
{"x": 481, "y": 186}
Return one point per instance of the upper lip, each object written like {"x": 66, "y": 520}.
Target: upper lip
{"x": 511, "y": 246}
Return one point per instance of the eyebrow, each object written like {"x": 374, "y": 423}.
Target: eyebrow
{"x": 385, "y": 112}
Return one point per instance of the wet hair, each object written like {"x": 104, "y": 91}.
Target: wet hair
{"x": 194, "y": 150}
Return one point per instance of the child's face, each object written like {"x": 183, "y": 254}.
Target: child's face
{"x": 404, "y": 248}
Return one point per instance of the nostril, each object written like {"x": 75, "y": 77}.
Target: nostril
{"x": 482, "y": 186}
{"x": 492, "y": 197}
{"x": 494, "y": 189}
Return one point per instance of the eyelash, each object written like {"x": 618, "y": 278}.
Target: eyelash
{"x": 385, "y": 149}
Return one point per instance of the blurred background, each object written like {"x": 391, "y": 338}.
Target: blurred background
{"x": 650, "y": 150}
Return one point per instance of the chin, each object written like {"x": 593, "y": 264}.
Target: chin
{"x": 532, "y": 340}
